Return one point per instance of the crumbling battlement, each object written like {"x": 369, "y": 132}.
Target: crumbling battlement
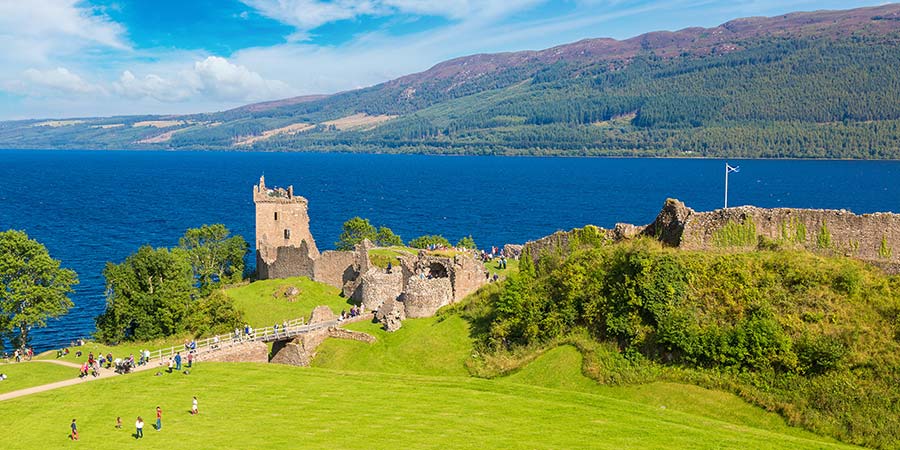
{"x": 870, "y": 237}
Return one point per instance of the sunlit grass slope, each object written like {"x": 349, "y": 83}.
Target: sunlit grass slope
{"x": 262, "y": 308}
{"x": 423, "y": 346}
{"x": 273, "y": 406}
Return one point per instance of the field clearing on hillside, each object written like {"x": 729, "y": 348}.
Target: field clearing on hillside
{"x": 359, "y": 120}
{"x": 272, "y": 406}
{"x": 293, "y": 128}
{"x": 27, "y": 374}
{"x": 262, "y": 308}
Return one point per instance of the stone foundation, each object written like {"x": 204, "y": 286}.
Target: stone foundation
{"x": 243, "y": 352}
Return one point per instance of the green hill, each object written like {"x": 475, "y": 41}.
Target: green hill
{"x": 810, "y": 85}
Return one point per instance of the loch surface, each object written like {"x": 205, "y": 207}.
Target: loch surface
{"x": 90, "y": 207}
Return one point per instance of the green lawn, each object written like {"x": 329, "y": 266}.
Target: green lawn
{"x": 262, "y": 309}
{"x": 27, "y": 374}
{"x": 381, "y": 256}
{"x": 423, "y": 346}
{"x": 560, "y": 368}
{"x": 272, "y": 406}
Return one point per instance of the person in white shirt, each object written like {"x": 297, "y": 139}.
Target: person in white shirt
{"x": 139, "y": 425}
{"x": 194, "y": 409}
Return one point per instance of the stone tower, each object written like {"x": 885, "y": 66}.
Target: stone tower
{"x": 284, "y": 245}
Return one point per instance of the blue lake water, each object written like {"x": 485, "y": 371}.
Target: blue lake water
{"x": 91, "y": 207}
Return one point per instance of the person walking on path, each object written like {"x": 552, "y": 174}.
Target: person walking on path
{"x": 158, "y": 418}
{"x": 178, "y": 361}
{"x": 74, "y": 435}
{"x": 194, "y": 410}
{"x": 139, "y": 426}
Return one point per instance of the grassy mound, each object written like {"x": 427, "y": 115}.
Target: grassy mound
{"x": 271, "y": 406}
{"x": 263, "y": 305}
{"x": 423, "y": 346}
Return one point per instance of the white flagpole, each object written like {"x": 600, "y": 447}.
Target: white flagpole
{"x": 726, "y": 185}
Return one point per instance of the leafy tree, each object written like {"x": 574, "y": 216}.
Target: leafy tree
{"x": 429, "y": 240}
{"x": 33, "y": 286}
{"x": 355, "y": 231}
{"x": 147, "y": 296}
{"x": 467, "y": 242}
{"x": 214, "y": 257}
{"x": 214, "y": 314}
{"x": 387, "y": 238}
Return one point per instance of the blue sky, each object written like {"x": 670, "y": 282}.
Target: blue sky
{"x": 68, "y": 58}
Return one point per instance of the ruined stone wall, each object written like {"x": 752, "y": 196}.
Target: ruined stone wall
{"x": 466, "y": 276}
{"x": 288, "y": 262}
{"x": 243, "y": 352}
{"x": 424, "y": 296}
{"x": 378, "y": 286}
{"x": 849, "y": 234}
{"x": 335, "y": 268}
{"x": 562, "y": 242}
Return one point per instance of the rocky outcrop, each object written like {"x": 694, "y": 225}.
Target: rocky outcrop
{"x": 669, "y": 224}
{"x": 391, "y": 314}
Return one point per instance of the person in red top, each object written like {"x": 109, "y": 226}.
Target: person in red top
{"x": 158, "y": 418}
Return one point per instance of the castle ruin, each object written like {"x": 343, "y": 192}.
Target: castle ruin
{"x": 419, "y": 285}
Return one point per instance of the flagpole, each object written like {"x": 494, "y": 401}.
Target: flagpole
{"x": 726, "y": 185}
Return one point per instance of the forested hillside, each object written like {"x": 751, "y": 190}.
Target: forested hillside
{"x": 811, "y": 85}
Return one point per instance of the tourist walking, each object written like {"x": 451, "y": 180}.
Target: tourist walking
{"x": 194, "y": 409}
{"x": 190, "y": 360}
{"x": 139, "y": 426}
{"x": 119, "y": 422}
{"x": 158, "y": 418}
{"x": 74, "y": 431}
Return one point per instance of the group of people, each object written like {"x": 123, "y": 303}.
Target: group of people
{"x": 175, "y": 362}
{"x": 354, "y": 311}
{"x": 20, "y": 353}
{"x": 139, "y": 423}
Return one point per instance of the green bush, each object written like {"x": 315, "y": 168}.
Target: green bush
{"x": 429, "y": 240}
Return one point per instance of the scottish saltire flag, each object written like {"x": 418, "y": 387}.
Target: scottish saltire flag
{"x": 729, "y": 169}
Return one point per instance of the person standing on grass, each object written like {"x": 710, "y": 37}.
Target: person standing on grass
{"x": 194, "y": 410}
{"x": 178, "y": 361}
{"x": 190, "y": 360}
{"x": 119, "y": 423}
{"x": 158, "y": 418}
{"x": 74, "y": 431}
{"x": 139, "y": 426}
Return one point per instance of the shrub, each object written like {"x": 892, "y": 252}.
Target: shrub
{"x": 429, "y": 240}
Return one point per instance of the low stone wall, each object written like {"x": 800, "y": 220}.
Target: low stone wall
{"x": 424, "y": 296}
{"x": 243, "y": 352}
{"x": 846, "y": 233}
{"x": 340, "y": 333}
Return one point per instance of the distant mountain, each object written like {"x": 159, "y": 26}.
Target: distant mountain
{"x": 810, "y": 84}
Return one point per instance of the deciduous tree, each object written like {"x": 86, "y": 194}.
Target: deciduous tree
{"x": 33, "y": 286}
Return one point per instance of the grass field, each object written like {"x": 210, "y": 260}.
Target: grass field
{"x": 410, "y": 389}
{"x": 261, "y": 308}
{"x": 271, "y": 406}
{"x": 27, "y": 374}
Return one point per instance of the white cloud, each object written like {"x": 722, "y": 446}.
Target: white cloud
{"x": 213, "y": 78}
{"x": 60, "y": 80}
{"x": 35, "y": 30}
{"x": 306, "y": 15}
